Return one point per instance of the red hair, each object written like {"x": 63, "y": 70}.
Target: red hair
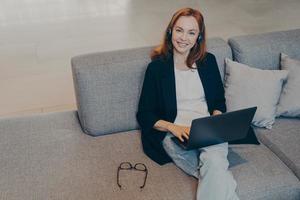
{"x": 197, "y": 52}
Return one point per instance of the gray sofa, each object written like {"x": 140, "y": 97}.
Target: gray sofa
{"x": 56, "y": 156}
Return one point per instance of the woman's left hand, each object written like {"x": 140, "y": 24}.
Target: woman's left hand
{"x": 216, "y": 112}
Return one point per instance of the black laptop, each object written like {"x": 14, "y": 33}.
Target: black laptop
{"x": 217, "y": 129}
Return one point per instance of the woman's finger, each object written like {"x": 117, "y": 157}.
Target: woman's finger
{"x": 186, "y": 135}
{"x": 181, "y": 138}
{"x": 187, "y": 130}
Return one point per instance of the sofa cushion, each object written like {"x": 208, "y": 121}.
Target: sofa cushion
{"x": 284, "y": 141}
{"x": 289, "y": 103}
{"x": 261, "y": 175}
{"x": 263, "y": 50}
{"x": 107, "y": 88}
{"x": 108, "y": 84}
{"x": 49, "y": 157}
{"x": 246, "y": 87}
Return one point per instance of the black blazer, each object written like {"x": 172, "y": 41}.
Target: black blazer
{"x": 158, "y": 100}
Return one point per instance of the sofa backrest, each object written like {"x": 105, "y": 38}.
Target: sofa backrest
{"x": 263, "y": 50}
{"x": 107, "y": 86}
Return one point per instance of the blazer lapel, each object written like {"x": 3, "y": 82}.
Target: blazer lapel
{"x": 169, "y": 89}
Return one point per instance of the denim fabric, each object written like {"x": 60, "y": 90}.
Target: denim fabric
{"x": 188, "y": 161}
{"x": 209, "y": 165}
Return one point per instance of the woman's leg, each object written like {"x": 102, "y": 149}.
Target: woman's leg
{"x": 217, "y": 182}
{"x": 188, "y": 161}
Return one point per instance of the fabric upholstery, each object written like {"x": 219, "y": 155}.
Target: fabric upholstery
{"x": 247, "y": 87}
{"x": 260, "y": 174}
{"x": 289, "y": 103}
{"x": 284, "y": 140}
{"x": 263, "y": 50}
{"x": 107, "y": 86}
{"x": 49, "y": 157}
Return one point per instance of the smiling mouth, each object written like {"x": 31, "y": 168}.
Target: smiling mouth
{"x": 180, "y": 44}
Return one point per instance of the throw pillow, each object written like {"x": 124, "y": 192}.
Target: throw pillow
{"x": 289, "y": 102}
{"x": 247, "y": 86}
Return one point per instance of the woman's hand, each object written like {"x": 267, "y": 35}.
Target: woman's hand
{"x": 181, "y": 132}
{"x": 216, "y": 112}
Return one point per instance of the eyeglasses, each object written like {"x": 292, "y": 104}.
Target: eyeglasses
{"x": 128, "y": 166}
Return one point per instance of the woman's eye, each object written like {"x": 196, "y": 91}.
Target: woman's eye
{"x": 192, "y": 33}
{"x": 178, "y": 30}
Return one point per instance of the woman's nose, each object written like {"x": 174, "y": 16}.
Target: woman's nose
{"x": 183, "y": 36}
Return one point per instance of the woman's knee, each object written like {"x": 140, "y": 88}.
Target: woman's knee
{"x": 214, "y": 160}
{"x": 186, "y": 160}
{"x": 171, "y": 148}
{"x": 167, "y": 143}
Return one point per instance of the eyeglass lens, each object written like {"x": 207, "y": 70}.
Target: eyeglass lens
{"x": 125, "y": 165}
{"x": 140, "y": 167}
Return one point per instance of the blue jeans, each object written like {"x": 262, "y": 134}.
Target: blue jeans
{"x": 209, "y": 165}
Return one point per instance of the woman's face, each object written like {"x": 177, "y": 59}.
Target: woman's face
{"x": 184, "y": 34}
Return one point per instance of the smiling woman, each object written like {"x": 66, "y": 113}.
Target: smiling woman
{"x": 174, "y": 94}
{"x": 186, "y": 35}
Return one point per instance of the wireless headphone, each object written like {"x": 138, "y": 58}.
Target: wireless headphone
{"x": 199, "y": 39}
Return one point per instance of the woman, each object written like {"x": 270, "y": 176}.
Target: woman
{"x": 183, "y": 83}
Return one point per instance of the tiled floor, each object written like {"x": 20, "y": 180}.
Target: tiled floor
{"x": 38, "y": 38}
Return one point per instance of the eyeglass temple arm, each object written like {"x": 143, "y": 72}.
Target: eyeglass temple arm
{"x": 145, "y": 179}
{"x": 118, "y": 178}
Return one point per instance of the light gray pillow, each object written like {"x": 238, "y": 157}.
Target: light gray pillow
{"x": 289, "y": 102}
{"x": 247, "y": 86}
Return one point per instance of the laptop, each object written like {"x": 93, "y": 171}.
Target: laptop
{"x": 217, "y": 129}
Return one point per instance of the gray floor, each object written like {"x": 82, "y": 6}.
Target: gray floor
{"x": 38, "y": 38}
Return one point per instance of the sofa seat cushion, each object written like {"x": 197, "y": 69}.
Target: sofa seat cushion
{"x": 284, "y": 141}
{"x": 49, "y": 157}
{"x": 61, "y": 162}
{"x": 261, "y": 175}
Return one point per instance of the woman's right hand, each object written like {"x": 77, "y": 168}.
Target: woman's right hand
{"x": 181, "y": 132}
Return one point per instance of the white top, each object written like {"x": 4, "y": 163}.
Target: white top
{"x": 191, "y": 102}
